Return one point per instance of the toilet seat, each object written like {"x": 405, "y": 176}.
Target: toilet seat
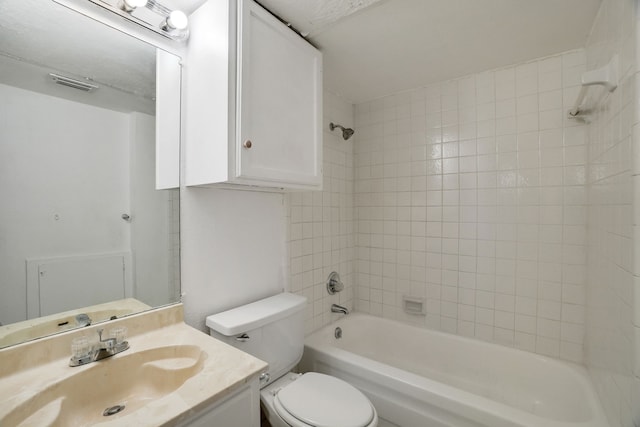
{"x": 320, "y": 400}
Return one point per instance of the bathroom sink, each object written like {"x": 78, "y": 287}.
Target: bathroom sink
{"x": 170, "y": 374}
{"x": 119, "y": 385}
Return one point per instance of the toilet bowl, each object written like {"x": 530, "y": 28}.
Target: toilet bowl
{"x": 272, "y": 329}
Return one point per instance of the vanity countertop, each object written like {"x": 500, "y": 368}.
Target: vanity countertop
{"x": 30, "y": 370}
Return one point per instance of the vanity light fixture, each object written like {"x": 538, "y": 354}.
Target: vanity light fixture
{"x": 151, "y": 14}
{"x": 130, "y": 5}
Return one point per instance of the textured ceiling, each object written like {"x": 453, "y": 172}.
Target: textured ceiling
{"x": 371, "y": 47}
{"x": 394, "y": 45}
{"x": 313, "y": 16}
{"x": 44, "y": 33}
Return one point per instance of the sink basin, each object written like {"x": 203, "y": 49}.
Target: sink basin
{"x": 130, "y": 380}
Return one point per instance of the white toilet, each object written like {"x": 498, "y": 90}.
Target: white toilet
{"x": 272, "y": 329}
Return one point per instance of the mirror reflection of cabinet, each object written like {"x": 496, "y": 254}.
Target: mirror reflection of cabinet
{"x": 254, "y": 100}
{"x": 168, "y": 93}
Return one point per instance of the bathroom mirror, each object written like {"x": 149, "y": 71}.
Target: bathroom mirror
{"x": 84, "y": 234}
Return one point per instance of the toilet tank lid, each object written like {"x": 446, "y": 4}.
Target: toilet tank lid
{"x": 256, "y": 314}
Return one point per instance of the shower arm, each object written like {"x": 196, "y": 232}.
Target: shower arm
{"x": 346, "y": 132}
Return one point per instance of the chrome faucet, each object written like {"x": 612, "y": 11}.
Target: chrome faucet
{"x": 84, "y": 353}
{"x": 104, "y": 346}
{"x": 335, "y": 308}
{"x": 83, "y": 319}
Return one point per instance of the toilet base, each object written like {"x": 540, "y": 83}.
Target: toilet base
{"x": 266, "y": 399}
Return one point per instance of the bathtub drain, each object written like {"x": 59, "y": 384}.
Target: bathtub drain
{"x": 113, "y": 410}
{"x": 338, "y": 333}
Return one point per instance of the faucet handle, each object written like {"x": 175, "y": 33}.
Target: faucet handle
{"x": 334, "y": 284}
{"x": 80, "y": 348}
{"x": 83, "y": 352}
{"x": 107, "y": 344}
{"x": 119, "y": 334}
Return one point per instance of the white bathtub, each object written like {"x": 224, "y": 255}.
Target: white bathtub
{"x": 423, "y": 378}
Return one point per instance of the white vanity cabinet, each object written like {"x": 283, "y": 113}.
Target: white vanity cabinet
{"x": 253, "y": 100}
{"x": 240, "y": 408}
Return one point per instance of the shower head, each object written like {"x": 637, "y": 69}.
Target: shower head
{"x": 346, "y": 132}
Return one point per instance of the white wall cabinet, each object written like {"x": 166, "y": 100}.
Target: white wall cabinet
{"x": 241, "y": 408}
{"x": 253, "y": 100}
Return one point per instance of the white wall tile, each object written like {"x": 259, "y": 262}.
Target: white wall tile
{"x": 489, "y": 232}
{"x": 321, "y": 224}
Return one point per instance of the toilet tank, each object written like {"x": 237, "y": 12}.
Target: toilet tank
{"x": 271, "y": 329}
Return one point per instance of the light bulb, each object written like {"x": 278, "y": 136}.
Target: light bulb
{"x": 177, "y": 20}
{"x": 131, "y": 5}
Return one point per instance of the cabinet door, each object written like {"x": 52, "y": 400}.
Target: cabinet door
{"x": 241, "y": 409}
{"x": 280, "y": 102}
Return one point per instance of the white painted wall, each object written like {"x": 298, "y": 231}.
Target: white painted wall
{"x": 233, "y": 249}
{"x": 74, "y": 153}
{"x": 151, "y": 216}
{"x": 75, "y": 161}
{"x": 612, "y": 345}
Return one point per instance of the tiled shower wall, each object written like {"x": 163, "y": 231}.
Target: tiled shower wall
{"x": 612, "y": 275}
{"x": 321, "y": 223}
{"x": 469, "y": 194}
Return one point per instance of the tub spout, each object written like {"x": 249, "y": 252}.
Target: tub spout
{"x": 335, "y": 308}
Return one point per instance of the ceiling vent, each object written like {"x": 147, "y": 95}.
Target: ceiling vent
{"x": 76, "y": 84}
